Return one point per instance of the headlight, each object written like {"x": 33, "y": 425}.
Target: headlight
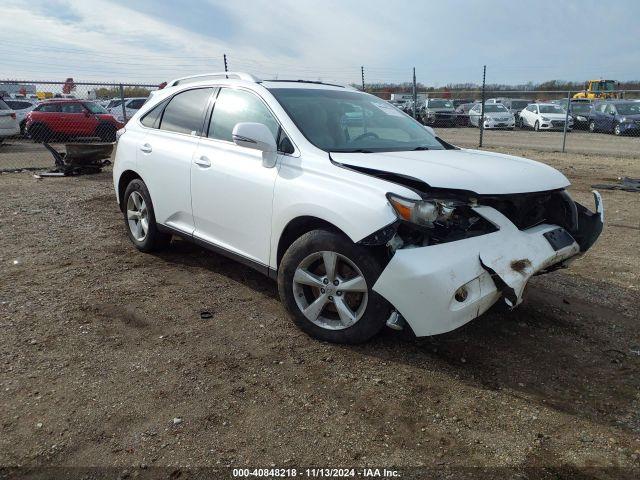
{"x": 545, "y": 119}
{"x": 581, "y": 118}
{"x": 423, "y": 212}
{"x": 623, "y": 119}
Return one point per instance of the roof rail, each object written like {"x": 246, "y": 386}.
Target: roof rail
{"x": 211, "y": 76}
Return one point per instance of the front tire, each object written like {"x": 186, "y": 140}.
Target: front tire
{"x": 592, "y": 127}
{"x": 325, "y": 282}
{"x": 616, "y": 130}
{"x": 536, "y": 127}
{"x": 106, "y": 132}
{"x": 140, "y": 220}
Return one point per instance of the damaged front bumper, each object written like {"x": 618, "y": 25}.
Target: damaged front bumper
{"x": 439, "y": 288}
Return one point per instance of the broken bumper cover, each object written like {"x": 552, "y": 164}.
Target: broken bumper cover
{"x": 421, "y": 283}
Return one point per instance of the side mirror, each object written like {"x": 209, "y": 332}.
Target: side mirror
{"x": 257, "y": 137}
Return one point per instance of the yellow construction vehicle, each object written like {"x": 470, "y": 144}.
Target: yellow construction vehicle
{"x": 599, "y": 89}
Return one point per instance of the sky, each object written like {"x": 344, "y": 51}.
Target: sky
{"x": 151, "y": 41}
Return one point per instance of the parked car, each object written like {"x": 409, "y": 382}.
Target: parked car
{"x": 461, "y": 101}
{"x": 21, "y": 106}
{"x": 462, "y": 112}
{"x": 620, "y": 117}
{"x": 496, "y": 115}
{"x": 70, "y": 118}
{"x": 581, "y": 112}
{"x": 438, "y": 112}
{"x": 8, "y": 122}
{"x": 131, "y": 105}
{"x": 544, "y": 116}
{"x": 361, "y": 225}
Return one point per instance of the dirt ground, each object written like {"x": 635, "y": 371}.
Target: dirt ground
{"x": 106, "y": 360}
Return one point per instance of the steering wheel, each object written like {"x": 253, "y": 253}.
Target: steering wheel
{"x": 366, "y": 135}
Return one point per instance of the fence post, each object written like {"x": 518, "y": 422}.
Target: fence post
{"x": 224, "y": 57}
{"x": 415, "y": 93}
{"x": 566, "y": 121}
{"x": 124, "y": 110}
{"x": 484, "y": 78}
{"x": 362, "y": 72}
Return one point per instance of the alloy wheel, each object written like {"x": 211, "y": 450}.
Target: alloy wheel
{"x": 330, "y": 290}
{"x": 137, "y": 216}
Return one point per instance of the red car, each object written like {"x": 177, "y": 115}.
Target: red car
{"x": 70, "y": 118}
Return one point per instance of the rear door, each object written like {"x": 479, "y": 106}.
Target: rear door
{"x": 166, "y": 151}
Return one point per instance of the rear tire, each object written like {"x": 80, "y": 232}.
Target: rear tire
{"x": 140, "y": 219}
{"x": 338, "y": 302}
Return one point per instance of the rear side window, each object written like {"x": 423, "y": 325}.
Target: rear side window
{"x": 152, "y": 118}
{"x": 17, "y": 105}
{"x": 48, "y": 107}
{"x": 236, "y": 106}
{"x": 184, "y": 113}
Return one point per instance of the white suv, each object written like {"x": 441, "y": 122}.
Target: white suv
{"x": 362, "y": 214}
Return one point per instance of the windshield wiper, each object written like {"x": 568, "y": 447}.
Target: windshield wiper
{"x": 357, "y": 150}
{"x": 422, "y": 147}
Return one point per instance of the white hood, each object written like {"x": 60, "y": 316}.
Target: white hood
{"x": 481, "y": 172}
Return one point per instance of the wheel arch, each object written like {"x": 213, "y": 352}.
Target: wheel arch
{"x": 125, "y": 179}
{"x": 297, "y": 227}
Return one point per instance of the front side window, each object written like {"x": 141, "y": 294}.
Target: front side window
{"x": 237, "y": 106}
{"x": 17, "y": 105}
{"x": 551, "y": 109}
{"x": 628, "y": 108}
{"x": 72, "y": 108}
{"x": 185, "y": 111}
{"x": 95, "y": 107}
{"x": 347, "y": 121}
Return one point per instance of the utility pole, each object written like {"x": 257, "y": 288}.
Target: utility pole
{"x": 224, "y": 57}
{"x": 484, "y": 78}
{"x": 566, "y": 122}
{"x": 362, "y": 72}
{"x": 415, "y": 93}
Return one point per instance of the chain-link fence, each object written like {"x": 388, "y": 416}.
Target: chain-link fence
{"x": 547, "y": 120}
{"x": 34, "y": 114}
{"x": 57, "y": 113}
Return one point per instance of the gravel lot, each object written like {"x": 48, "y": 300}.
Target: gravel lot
{"x": 107, "y": 361}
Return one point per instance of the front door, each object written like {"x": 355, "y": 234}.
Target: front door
{"x": 231, "y": 190}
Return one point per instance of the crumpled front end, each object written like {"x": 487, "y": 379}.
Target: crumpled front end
{"x": 438, "y": 288}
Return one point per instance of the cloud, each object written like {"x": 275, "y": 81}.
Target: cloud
{"x": 152, "y": 41}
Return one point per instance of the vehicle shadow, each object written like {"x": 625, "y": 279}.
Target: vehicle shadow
{"x": 561, "y": 352}
{"x": 557, "y": 351}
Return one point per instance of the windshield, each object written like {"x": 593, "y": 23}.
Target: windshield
{"x": 494, "y": 107}
{"x": 347, "y": 121}
{"x": 551, "y": 109}
{"x": 580, "y": 108}
{"x": 628, "y": 108}
{"x": 95, "y": 107}
{"x": 114, "y": 103}
{"x": 519, "y": 104}
{"x": 440, "y": 104}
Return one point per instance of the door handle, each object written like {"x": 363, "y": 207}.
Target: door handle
{"x": 146, "y": 148}
{"x": 203, "y": 161}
